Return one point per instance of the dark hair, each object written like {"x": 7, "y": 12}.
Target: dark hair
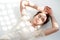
{"x": 47, "y": 15}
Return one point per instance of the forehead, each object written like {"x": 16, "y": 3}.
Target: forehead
{"x": 43, "y": 14}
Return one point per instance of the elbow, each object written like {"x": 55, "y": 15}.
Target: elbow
{"x": 53, "y": 30}
{"x": 56, "y": 29}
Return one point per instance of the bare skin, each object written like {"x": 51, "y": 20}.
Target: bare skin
{"x": 38, "y": 20}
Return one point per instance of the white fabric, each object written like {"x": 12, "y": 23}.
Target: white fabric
{"x": 24, "y": 31}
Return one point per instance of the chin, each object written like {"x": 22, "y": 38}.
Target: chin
{"x": 39, "y": 23}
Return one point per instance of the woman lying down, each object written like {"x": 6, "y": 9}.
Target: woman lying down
{"x": 30, "y": 29}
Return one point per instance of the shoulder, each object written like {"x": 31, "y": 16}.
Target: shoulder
{"x": 25, "y": 18}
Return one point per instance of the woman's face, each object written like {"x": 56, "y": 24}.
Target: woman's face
{"x": 40, "y": 18}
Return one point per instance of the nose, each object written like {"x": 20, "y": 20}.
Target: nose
{"x": 39, "y": 19}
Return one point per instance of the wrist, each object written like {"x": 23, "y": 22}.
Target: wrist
{"x": 51, "y": 15}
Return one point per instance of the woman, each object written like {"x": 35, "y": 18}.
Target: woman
{"x": 41, "y": 18}
{"x": 30, "y": 29}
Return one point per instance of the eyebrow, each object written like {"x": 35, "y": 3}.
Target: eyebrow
{"x": 44, "y": 15}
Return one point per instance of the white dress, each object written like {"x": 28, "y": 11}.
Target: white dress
{"x": 24, "y": 31}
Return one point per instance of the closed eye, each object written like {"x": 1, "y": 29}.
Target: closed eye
{"x": 42, "y": 19}
{"x": 39, "y": 16}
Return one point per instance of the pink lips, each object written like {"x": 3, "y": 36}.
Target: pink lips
{"x": 38, "y": 21}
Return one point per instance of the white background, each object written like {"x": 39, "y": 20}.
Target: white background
{"x": 14, "y": 5}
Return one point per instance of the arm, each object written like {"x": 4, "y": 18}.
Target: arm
{"x": 33, "y": 6}
{"x": 54, "y": 24}
{"x": 22, "y": 6}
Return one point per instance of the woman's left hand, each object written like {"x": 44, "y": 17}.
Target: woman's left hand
{"x": 48, "y": 10}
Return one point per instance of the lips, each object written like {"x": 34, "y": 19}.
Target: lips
{"x": 38, "y": 21}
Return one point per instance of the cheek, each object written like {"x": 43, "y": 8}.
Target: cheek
{"x": 36, "y": 18}
{"x": 45, "y": 19}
